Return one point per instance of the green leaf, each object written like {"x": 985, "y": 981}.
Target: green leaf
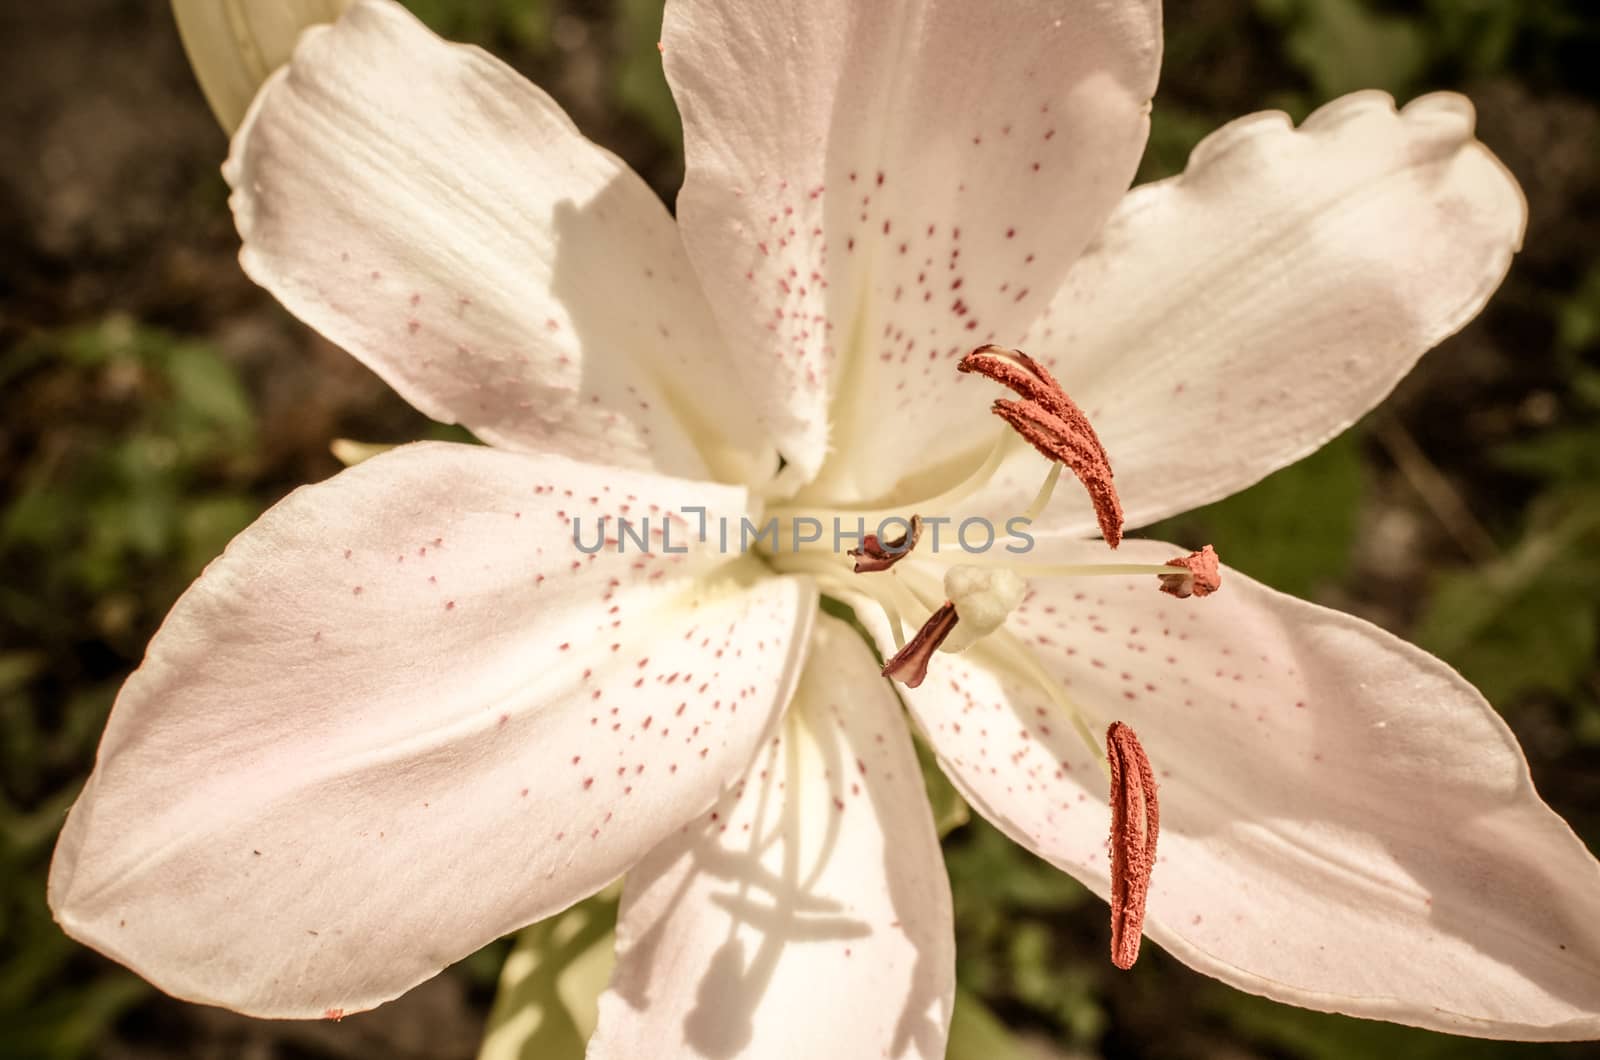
{"x": 69, "y": 1024}
{"x": 209, "y": 523}
{"x": 1288, "y": 1031}
{"x": 950, "y": 810}
{"x": 546, "y": 1007}
{"x": 206, "y": 388}
{"x": 1586, "y": 386}
{"x": 17, "y": 668}
{"x": 1342, "y": 45}
{"x": 1579, "y": 316}
{"x": 977, "y": 1034}
{"x": 526, "y": 23}
{"x": 1531, "y": 620}
{"x": 1564, "y": 453}
{"x": 641, "y": 82}
{"x": 1174, "y": 132}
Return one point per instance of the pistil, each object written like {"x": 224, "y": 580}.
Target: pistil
{"x": 981, "y": 595}
{"x": 977, "y": 602}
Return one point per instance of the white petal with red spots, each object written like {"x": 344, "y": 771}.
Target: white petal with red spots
{"x": 875, "y": 188}
{"x": 428, "y": 209}
{"x": 403, "y": 715}
{"x": 1345, "y": 823}
{"x": 808, "y": 915}
{"x": 1229, "y": 321}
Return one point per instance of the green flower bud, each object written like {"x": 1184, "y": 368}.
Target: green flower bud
{"x": 234, "y": 45}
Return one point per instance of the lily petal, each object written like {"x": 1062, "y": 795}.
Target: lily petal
{"x": 1346, "y": 825}
{"x": 402, "y": 716}
{"x": 1231, "y": 320}
{"x": 809, "y": 913}
{"x": 425, "y": 207}
{"x": 860, "y": 239}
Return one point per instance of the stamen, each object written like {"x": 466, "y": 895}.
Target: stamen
{"x": 874, "y": 555}
{"x": 1003, "y": 446}
{"x": 1046, "y": 491}
{"x": 832, "y": 577}
{"x": 1135, "y": 823}
{"x": 1052, "y": 424}
{"x": 1199, "y": 574}
{"x": 909, "y": 665}
{"x": 1032, "y": 382}
{"x": 1058, "y": 440}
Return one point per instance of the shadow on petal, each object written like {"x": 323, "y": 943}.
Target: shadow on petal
{"x": 808, "y": 913}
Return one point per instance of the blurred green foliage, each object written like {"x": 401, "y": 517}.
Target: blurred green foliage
{"x": 1009, "y": 907}
{"x": 1527, "y": 622}
{"x": 135, "y": 459}
{"x": 1343, "y": 45}
{"x": 641, "y": 84}
{"x": 526, "y": 24}
{"x": 104, "y": 498}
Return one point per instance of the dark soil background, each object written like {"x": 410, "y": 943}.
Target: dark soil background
{"x": 152, "y": 401}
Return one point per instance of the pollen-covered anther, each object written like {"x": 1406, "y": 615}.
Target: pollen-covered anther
{"x": 1059, "y": 439}
{"x": 1199, "y": 574}
{"x": 909, "y": 665}
{"x": 1135, "y": 824}
{"x": 876, "y": 555}
{"x": 1050, "y": 422}
{"x": 1028, "y": 379}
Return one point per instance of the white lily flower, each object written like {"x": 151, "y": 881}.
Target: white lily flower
{"x": 403, "y": 715}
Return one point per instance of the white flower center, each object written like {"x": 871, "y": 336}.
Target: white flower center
{"x": 984, "y": 598}
{"x": 980, "y": 592}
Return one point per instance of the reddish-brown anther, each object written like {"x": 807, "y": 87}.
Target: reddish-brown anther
{"x": 1200, "y": 574}
{"x": 1050, "y": 422}
{"x": 874, "y": 555}
{"x": 909, "y": 665}
{"x": 1135, "y": 822}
